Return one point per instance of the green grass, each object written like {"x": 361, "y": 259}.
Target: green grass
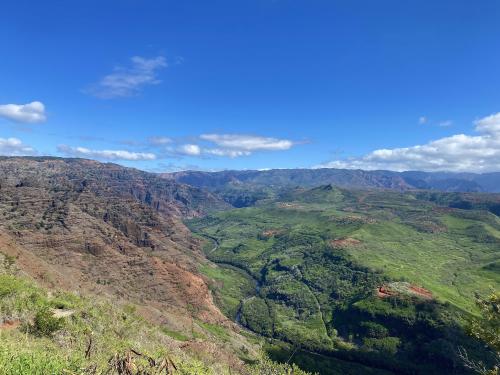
{"x": 179, "y": 336}
{"x": 215, "y": 330}
{"x": 449, "y": 264}
{"x": 29, "y": 359}
{"x": 62, "y": 346}
{"x": 230, "y": 287}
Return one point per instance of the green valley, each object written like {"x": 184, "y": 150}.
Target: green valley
{"x": 380, "y": 278}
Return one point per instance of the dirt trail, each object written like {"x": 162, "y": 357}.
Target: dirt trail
{"x": 422, "y": 292}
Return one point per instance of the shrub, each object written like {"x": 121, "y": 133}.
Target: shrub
{"x": 268, "y": 367}
{"x": 387, "y": 345}
{"x": 374, "y": 330}
{"x": 10, "y": 285}
{"x": 45, "y": 324}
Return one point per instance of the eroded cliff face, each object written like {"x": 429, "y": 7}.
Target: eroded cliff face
{"x": 105, "y": 229}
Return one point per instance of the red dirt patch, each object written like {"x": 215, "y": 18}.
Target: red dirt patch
{"x": 10, "y": 324}
{"x": 271, "y": 232}
{"x": 422, "y": 292}
{"x": 344, "y": 242}
{"x": 383, "y": 292}
{"x": 402, "y": 288}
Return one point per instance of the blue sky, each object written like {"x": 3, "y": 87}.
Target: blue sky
{"x": 167, "y": 85}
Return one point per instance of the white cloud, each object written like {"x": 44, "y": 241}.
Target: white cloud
{"x": 190, "y": 150}
{"x": 422, "y": 120}
{"x": 457, "y": 153}
{"x": 159, "y": 141}
{"x": 196, "y": 150}
{"x": 30, "y": 113}
{"x": 247, "y": 142}
{"x": 231, "y": 145}
{"x": 14, "y": 147}
{"x": 173, "y": 167}
{"x": 446, "y": 123}
{"x": 218, "y": 145}
{"x": 105, "y": 154}
{"x": 128, "y": 81}
{"x": 226, "y": 152}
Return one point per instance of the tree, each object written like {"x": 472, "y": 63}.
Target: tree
{"x": 486, "y": 329}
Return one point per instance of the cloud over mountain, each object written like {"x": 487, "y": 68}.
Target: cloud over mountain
{"x": 83, "y": 152}
{"x": 218, "y": 145}
{"x": 14, "y": 147}
{"x": 457, "y": 153}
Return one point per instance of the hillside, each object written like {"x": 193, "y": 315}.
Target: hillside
{"x": 56, "y": 332}
{"x": 279, "y": 178}
{"x": 105, "y": 230}
{"x": 379, "y": 278}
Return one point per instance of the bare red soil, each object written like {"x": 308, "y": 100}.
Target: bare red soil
{"x": 271, "y": 232}
{"x": 383, "y": 291}
{"x": 422, "y": 292}
{"x": 388, "y": 291}
{"x": 10, "y": 324}
{"x": 345, "y": 242}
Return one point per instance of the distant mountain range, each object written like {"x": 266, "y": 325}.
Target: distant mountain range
{"x": 346, "y": 178}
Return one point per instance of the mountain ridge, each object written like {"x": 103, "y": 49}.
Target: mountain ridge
{"x": 347, "y": 178}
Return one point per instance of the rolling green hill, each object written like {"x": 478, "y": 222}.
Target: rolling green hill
{"x": 374, "y": 277}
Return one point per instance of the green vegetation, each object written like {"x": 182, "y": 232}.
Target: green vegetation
{"x": 41, "y": 343}
{"x": 179, "y": 336}
{"x": 61, "y": 333}
{"x": 45, "y": 323}
{"x": 487, "y": 329}
{"x": 318, "y": 257}
{"x": 229, "y": 287}
{"x": 322, "y": 364}
{"x": 216, "y": 330}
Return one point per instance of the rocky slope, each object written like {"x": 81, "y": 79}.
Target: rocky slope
{"x": 105, "y": 229}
